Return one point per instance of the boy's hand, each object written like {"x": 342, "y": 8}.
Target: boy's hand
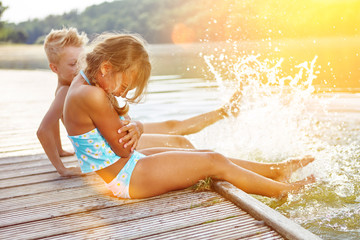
{"x": 134, "y": 130}
{"x": 64, "y": 153}
{"x": 71, "y": 172}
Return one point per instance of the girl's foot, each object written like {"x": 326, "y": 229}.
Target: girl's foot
{"x": 298, "y": 185}
{"x": 285, "y": 169}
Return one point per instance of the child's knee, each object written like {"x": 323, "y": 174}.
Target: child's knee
{"x": 217, "y": 162}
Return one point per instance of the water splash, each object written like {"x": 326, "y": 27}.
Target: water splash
{"x": 281, "y": 116}
{"x": 273, "y": 120}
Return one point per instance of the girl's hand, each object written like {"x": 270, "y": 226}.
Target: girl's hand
{"x": 134, "y": 130}
{"x": 127, "y": 117}
{"x": 232, "y": 107}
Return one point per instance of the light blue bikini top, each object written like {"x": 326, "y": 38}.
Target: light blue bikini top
{"x": 93, "y": 151}
{"x": 85, "y": 77}
{"x": 91, "y": 148}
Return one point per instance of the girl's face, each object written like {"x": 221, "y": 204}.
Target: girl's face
{"x": 121, "y": 85}
{"x": 117, "y": 84}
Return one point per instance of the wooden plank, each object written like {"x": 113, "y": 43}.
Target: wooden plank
{"x": 274, "y": 219}
{"x": 45, "y": 168}
{"x": 26, "y": 172}
{"x": 271, "y": 235}
{"x": 22, "y": 152}
{"x": 33, "y": 164}
{"x": 231, "y": 228}
{"x": 30, "y": 201}
{"x": 27, "y": 180}
{"x": 149, "y": 225}
{"x": 56, "y": 184}
{"x": 47, "y": 197}
{"x": 89, "y": 203}
{"x": 20, "y": 159}
{"x": 145, "y": 214}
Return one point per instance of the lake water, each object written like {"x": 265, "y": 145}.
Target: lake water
{"x": 286, "y": 110}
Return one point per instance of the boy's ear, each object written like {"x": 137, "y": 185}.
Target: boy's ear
{"x": 105, "y": 67}
{"x": 53, "y": 68}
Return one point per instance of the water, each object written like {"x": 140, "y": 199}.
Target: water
{"x": 281, "y": 117}
{"x": 282, "y": 114}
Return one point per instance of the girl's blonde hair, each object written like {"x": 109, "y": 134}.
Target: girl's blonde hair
{"x": 56, "y": 40}
{"x": 125, "y": 53}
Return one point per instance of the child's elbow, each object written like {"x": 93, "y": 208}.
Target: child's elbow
{"x": 124, "y": 152}
{"x": 41, "y": 133}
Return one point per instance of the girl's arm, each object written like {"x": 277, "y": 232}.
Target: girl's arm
{"x": 106, "y": 120}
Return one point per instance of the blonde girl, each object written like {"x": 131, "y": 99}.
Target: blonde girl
{"x": 120, "y": 63}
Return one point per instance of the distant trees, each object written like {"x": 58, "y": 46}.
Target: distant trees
{"x": 8, "y": 34}
{"x": 2, "y": 10}
{"x": 164, "y": 21}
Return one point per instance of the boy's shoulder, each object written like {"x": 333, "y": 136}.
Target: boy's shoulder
{"x": 61, "y": 89}
{"x": 64, "y": 82}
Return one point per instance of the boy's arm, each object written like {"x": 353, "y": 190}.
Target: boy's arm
{"x": 47, "y": 137}
{"x": 61, "y": 151}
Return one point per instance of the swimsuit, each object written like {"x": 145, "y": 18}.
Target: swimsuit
{"x": 94, "y": 153}
{"x": 85, "y": 77}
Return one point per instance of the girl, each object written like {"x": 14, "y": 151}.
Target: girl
{"x": 118, "y": 64}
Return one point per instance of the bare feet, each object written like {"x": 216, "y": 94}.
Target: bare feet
{"x": 285, "y": 169}
{"x": 298, "y": 185}
{"x": 232, "y": 107}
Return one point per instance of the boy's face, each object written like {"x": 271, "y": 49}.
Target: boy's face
{"x": 66, "y": 68}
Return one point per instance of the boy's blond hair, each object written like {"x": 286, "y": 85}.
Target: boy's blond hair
{"x": 56, "y": 40}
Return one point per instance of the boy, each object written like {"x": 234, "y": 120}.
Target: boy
{"x": 63, "y": 49}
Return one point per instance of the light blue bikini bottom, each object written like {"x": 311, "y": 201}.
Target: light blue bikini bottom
{"x": 120, "y": 184}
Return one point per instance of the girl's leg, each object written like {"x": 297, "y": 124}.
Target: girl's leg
{"x": 167, "y": 171}
{"x": 163, "y": 140}
{"x": 277, "y": 171}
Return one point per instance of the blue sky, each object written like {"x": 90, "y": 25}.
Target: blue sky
{"x": 23, "y": 10}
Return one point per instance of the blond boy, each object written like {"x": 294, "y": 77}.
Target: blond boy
{"x": 63, "y": 49}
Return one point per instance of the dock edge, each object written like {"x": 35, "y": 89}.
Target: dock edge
{"x": 284, "y": 226}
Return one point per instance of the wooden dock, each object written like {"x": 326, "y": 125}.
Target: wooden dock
{"x": 36, "y": 203}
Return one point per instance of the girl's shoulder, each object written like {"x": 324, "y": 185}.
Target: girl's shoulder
{"x": 93, "y": 97}
{"x": 86, "y": 95}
